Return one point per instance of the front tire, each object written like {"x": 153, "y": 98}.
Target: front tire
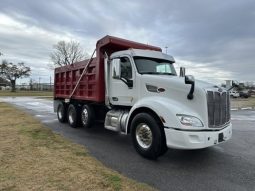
{"x": 147, "y": 136}
{"x": 73, "y": 116}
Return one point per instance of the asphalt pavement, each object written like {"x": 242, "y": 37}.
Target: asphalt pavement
{"x": 228, "y": 166}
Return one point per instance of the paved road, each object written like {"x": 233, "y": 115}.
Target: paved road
{"x": 229, "y": 166}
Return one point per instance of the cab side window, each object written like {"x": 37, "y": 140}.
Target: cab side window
{"x": 125, "y": 68}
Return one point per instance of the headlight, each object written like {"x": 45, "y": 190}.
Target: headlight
{"x": 191, "y": 121}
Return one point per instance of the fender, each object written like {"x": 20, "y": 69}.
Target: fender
{"x": 164, "y": 108}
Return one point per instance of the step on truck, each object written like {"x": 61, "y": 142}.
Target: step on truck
{"x": 134, "y": 89}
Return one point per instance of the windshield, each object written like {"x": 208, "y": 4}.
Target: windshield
{"x": 147, "y": 65}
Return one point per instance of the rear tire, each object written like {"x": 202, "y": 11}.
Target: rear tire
{"x": 147, "y": 136}
{"x": 87, "y": 116}
{"x": 61, "y": 113}
{"x": 73, "y": 116}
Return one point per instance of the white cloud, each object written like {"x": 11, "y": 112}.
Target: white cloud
{"x": 206, "y": 72}
{"x": 29, "y": 44}
{"x": 215, "y": 42}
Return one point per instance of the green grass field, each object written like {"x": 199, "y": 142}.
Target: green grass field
{"x": 32, "y": 157}
{"x": 25, "y": 93}
{"x": 243, "y": 102}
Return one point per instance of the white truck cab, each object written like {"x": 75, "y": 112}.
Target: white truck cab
{"x": 146, "y": 98}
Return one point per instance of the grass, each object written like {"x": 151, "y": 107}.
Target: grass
{"x": 115, "y": 181}
{"x": 32, "y": 157}
{"x": 243, "y": 102}
{"x": 26, "y": 93}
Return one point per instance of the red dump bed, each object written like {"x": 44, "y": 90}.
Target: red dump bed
{"x": 91, "y": 86}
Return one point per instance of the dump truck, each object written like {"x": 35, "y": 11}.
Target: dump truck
{"x": 133, "y": 88}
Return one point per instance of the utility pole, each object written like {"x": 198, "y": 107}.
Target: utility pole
{"x": 39, "y": 87}
{"x": 50, "y": 82}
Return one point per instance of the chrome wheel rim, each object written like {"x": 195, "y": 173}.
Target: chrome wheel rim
{"x": 144, "y": 135}
{"x": 84, "y": 116}
{"x": 60, "y": 114}
{"x": 70, "y": 117}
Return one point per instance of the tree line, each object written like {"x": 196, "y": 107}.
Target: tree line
{"x": 64, "y": 53}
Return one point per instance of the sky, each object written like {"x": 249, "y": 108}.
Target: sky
{"x": 213, "y": 39}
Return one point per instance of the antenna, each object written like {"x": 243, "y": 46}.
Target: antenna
{"x": 166, "y": 47}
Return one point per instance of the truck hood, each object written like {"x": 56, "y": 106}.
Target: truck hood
{"x": 175, "y": 82}
{"x": 176, "y": 92}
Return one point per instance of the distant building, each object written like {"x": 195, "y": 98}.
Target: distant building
{"x": 43, "y": 86}
{"x": 242, "y": 85}
{"x": 4, "y": 83}
{"x": 249, "y": 84}
{"x": 23, "y": 86}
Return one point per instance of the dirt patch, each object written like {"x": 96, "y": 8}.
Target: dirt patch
{"x": 243, "y": 102}
{"x": 32, "y": 157}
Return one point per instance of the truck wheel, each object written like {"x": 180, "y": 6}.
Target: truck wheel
{"x": 73, "y": 116}
{"x": 147, "y": 136}
{"x": 164, "y": 148}
{"x": 61, "y": 113}
{"x": 87, "y": 116}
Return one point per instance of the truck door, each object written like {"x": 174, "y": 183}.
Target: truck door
{"x": 122, "y": 82}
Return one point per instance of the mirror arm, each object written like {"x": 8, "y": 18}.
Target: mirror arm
{"x": 190, "y": 94}
{"x": 190, "y": 80}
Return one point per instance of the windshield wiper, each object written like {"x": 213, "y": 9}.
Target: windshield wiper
{"x": 171, "y": 74}
{"x": 158, "y": 73}
{"x": 149, "y": 73}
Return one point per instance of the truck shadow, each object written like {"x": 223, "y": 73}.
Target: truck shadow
{"x": 190, "y": 156}
{"x": 109, "y": 146}
{"x": 118, "y": 142}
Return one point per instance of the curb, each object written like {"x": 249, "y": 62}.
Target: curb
{"x": 242, "y": 108}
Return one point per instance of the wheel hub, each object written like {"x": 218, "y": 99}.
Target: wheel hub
{"x": 84, "y": 116}
{"x": 70, "y": 117}
{"x": 60, "y": 114}
{"x": 144, "y": 135}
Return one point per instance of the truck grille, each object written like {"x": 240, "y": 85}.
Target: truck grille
{"x": 218, "y": 105}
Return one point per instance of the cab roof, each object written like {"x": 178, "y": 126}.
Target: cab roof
{"x": 144, "y": 53}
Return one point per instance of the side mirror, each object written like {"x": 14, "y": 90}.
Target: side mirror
{"x": 116, "y": 68}
{"x": 182, "y": 71}
{"x": 189, "y": 79}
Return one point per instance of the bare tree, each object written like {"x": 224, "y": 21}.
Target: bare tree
{"x": 12, "y": 72}
{"x": 1, "y": 54}
{"x": 66, "y": 53}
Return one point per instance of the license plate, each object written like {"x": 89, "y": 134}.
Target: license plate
{"x": 221, "y": 137}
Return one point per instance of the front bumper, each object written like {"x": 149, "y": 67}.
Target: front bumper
{"x": 181, "y": 139}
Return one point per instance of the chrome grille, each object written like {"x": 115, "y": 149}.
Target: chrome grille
{"x": 218, "y": 105}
